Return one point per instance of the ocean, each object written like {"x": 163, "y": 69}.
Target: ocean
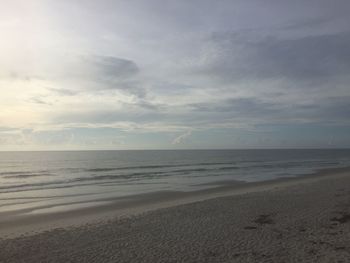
{"x": 40, "y": 182}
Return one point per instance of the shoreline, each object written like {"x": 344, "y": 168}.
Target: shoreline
{"x": 12, "y": 226}
{"x": 296, "y": 220}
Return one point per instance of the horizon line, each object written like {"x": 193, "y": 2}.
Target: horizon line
{"x": 188, "y": 149}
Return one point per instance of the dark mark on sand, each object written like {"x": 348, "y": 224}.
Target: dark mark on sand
{"x": 264, "y": 219}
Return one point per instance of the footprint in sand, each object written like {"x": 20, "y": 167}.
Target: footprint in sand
{"x": 342, "y": 219}
{"x": 261, "y": 220}
{"x": 264, "y": 220}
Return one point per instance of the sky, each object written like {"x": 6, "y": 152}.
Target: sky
{"x": 184, "y": 74}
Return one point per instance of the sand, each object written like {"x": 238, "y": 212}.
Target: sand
{"x": 296, "y": 220}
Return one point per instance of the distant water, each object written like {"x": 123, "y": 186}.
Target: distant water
{"x": 36, "y": 182}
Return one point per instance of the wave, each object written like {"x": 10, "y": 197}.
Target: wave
{"x": 127, "y": 177}
{"x": 109, "y": 169}
{"x": 67, "y": 178}
{"x": 27, "y": 175}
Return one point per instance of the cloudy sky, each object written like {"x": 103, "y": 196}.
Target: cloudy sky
{"x": 159, "y": 74}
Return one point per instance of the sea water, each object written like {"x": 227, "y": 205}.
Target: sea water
{"x": 31, "y": 182}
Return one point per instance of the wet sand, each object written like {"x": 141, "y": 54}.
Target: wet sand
{"x": 292, "y": 220}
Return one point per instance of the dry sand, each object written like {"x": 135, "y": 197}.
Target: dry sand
{"x": 296, "y": 220}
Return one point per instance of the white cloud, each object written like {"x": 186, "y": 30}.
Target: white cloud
{"x": 180, "y": 139}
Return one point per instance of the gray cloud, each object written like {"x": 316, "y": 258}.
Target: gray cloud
{"x": 237, "y": 57}
{"x": 112, "y": 68}
{"x": 43, "y": 100}
{"x": 334, "y": 110}
{"x": 64, "y": 92}
{"x": 331, "y": 110}
{"x": 147, "y": 105}
{"x": 115, "y": 73}
{"x": 177, "y": 66}
{"x": 76, "y": 73}
{"x": 128, "y": 114}
{"x": 307, "y": 23}
{"x": 246, "y": 106}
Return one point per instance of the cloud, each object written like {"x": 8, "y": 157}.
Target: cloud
{"x": 254, "y": 111}
{"x": 233, "y": 113}
{"x": 234, "y": 57}
{"x": 332, "y": 110}
{"x": 145, "y": 67}
{"x": 112, "y": 68}
{"x": 43, "y": 100}
{"x": 72, "y": 73}
{"x": 147, "y": 105}
{"x": 113, "y": 73}
{"x": 238, "y": 106}
{"x": 307, "y": 23}
{"x": 63, "y": 92}
{"x": 180, "y": 139}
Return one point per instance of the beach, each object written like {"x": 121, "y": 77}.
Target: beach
{"x": 304, "y": 219}
{"x": 174, "y": 131}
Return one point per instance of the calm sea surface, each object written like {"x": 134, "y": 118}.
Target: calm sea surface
{"x": 37, "y": 182}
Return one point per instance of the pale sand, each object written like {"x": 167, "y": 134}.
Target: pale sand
{"x": 295, "y": 220}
